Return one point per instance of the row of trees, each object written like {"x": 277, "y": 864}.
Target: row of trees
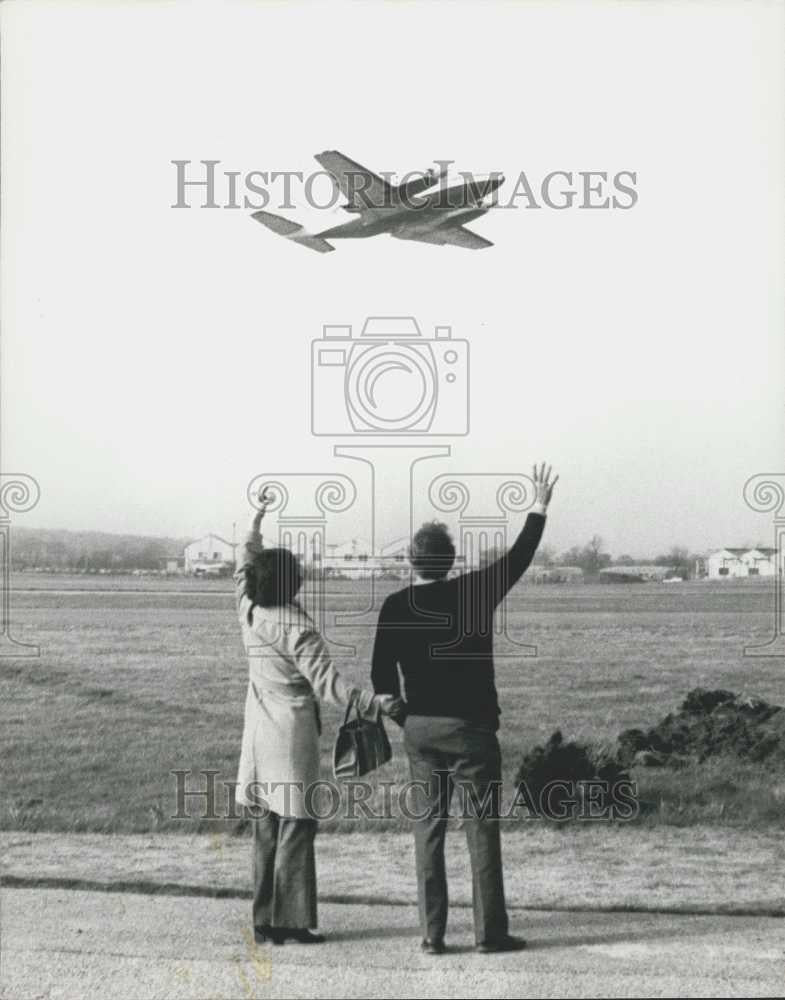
{"x": 592, "y": 558}
{"x": 88, "y": 551}
{"x": 93, "y": 551}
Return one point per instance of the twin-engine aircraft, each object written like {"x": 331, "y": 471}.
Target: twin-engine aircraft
{"x": 404, "y": 211}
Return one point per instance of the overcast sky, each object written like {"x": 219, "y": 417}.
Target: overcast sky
{"x": 155, "y": 359}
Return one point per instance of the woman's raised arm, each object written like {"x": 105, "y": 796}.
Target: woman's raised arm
{"x": 252, "y": 546}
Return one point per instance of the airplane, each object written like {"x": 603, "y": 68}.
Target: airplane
{"x": 403, "y": 211}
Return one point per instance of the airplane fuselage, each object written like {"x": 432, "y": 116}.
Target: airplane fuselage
{"x": 462, "y": 202}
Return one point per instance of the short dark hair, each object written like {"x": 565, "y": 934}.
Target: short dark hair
{"x": 432, "y": 552}
{"x": 274, "y": 578}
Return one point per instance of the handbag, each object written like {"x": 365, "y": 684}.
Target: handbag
{"x": 360, "y": 746}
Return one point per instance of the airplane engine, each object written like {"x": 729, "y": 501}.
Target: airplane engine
{"x": 464, "y": 215}
{"x": 419, "y": 184}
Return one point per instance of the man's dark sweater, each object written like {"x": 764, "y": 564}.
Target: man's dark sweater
{"x": 441, "y": 635}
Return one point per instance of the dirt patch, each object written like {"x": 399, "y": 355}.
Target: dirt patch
{"x": 559, "y": 779}
{"x": 709, "y": 724}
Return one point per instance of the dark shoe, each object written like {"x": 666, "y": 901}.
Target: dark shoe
{"x": 280, "y": 935}
{"x": 433, "y": 947}
{"x": 261, "y": 935}
{"x": 507, "y": 943}
{"x": 307, "y": 937}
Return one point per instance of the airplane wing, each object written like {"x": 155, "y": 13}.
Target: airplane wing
{"x": 361, "y": 188}
{"x": 289, "y": 229}
{"x": 454, "y": 236}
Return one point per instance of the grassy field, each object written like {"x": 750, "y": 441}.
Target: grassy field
{"x": 138, "y": 677}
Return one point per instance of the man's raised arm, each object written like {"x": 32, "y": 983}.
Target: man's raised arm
{"x": 502, "y": 574}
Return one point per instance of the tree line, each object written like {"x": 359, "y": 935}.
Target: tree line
{"x": 592, "y": 557}
{"x": 95, "y": 551}
{"x": 90, "y": 551}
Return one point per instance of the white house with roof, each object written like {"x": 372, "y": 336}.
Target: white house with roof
{"x": 741, "y": 562}
{"x": 760, "y": 561}
{"x": 210, "y": 555}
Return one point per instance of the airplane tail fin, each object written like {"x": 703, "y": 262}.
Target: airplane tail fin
{"x": 284, "y": 227}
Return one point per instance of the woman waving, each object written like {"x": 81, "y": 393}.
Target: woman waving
{"x": 290, "y": 672}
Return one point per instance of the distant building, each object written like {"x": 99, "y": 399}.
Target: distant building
{"x": 353, "y": 560}
{"x": 734, "y": 563}
{"x": 556, "y": 574}
{"x": 644, "y": 573}
{"x": 349, "y": 559}
{"x": 397, "y": 551}
{"x": 209, "y": 556}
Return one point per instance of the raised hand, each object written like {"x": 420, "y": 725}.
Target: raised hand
{"x": 543, "y": 487}
{"x": 265, "y": 499}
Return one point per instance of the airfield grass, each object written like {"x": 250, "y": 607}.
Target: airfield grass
{"x": 134, "y": 684}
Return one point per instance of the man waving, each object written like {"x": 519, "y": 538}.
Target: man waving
{"x": 439, "y": 631}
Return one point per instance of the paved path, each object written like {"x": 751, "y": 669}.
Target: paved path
{"x": 128, "y": 946}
